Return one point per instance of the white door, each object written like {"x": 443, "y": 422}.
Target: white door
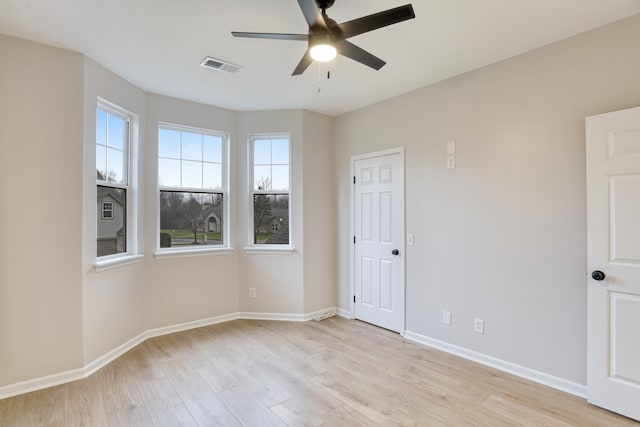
{"x": 379, "y": 240}
{"x": 613, "y": 212}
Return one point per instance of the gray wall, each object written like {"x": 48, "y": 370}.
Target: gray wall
{"x": 503, "y": 236}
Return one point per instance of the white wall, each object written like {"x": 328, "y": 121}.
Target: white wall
{"x": 320, "y": 286}
{"x": 40, "y": 207}
{"x": 190, "y": 288}
{"x": 114, "y": 301}
{"x": 278, "y": 278}
{"x": 503, "y": 236}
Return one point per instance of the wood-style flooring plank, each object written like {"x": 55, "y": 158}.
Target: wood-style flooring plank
{"x": 248, "y": 409}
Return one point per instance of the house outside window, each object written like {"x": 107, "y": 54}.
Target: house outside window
{"x": 192, "y": 168}
{"x": 270, "y": 189}
{"x": 112, "y": 179}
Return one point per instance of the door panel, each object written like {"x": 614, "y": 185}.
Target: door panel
{"x": 624, "y": 207}
{"x": 613, "y": 217}
{"x": 379, "y": 229}
{"x": 625, "y": 348}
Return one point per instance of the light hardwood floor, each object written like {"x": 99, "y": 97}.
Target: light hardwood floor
{"x": 336, "y": 372}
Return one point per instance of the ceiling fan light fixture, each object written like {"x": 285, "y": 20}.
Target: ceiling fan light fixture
{"x": 323, "y": 52}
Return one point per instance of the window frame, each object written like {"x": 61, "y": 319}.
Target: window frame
{"x": 225, "y": 247}
{"x": 271, "y": 247}
{"x": 129, "y": 185}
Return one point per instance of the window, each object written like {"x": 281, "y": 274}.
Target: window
{"x": 107, "y": 210}
{"x": 192, "y": 181}
{"x": 112, "y": 178}
{"x": 270, "y": 189}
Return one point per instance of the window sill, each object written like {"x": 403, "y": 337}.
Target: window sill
{"x": 181, "y": 253}
{"x": 108, "y": 264}
{"x": 285, "y": 250}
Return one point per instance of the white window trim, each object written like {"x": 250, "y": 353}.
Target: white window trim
{"x": 225, "y": 248}
{"x": 169, "y": 253}
{"x": 267, "y": 249}
{"x": 253, "y": 248}
{"x": 131, "y": 173}
{"x": 110, "y": 262}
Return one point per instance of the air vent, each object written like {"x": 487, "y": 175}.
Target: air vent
{"x": 219, "y": 65}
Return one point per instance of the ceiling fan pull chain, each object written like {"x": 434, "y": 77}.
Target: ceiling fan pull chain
{"x": 319, "y": 78}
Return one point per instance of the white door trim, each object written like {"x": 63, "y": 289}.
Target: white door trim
{"x": 352, "y": 253}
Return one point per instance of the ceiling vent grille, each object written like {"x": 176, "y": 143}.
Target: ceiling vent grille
{"x": 220, "y": 65}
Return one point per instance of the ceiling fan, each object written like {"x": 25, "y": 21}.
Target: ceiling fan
{"x": 326, "y": 38}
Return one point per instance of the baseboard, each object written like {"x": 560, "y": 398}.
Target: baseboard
{"x": 191, "y": 325}
{"x": 502, "y": 365}
{"x": 344, "y": 313}
{"x": 285, "y": 317}
{"x": 112, "y": 355}
{"x": 41, "y": 383}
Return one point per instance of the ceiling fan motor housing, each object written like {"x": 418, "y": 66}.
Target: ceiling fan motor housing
{"x": 324, "y": 4}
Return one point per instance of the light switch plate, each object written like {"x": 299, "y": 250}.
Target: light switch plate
{"x": 446, "y": 317}
{"x": 451, "y": 147}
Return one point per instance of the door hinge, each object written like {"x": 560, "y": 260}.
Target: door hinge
{"x": 354, "y": 179}
{"x": 354, "y": 298}
{"x": 354, "y": 240}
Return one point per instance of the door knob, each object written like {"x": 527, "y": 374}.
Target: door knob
{"x": 598, "y": 275}
{"x": 395, "y": 252}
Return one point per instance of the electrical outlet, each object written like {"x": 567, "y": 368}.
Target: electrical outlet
{"x": 252, "y": 292}
{"x": 446, "y": 317}
{"x": 478, "y": 326}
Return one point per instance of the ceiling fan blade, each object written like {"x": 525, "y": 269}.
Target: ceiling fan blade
{"x": 303, "y": 64}
{"x": 312, "y": 14}
{"x": 377, "y": 20}
{"x": 358, "y": 54}
{"x": 275, "y": 36}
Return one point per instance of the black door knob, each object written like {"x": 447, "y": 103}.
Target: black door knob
{"x": 598, "y": 275}
{"x": 395, "y": 252}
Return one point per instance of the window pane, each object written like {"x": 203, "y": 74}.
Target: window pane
{"x": 262, "y": 152}
{"x": 190, "y": 219}
{"x": 101, "y": 128}
{"x": 169, "y": 172}
{"x": 115, "y": 166}
{"x": 112, "y": 233}
{"x": 271, "y": 219}
{"x": 191, "y": 174}
{"x": 212, "y": 176}
{"x": 280, "y": 151}
{"x": 280, "y": 178}
{"x": 101, "y": 162}
{"x": 262, "y": 177}
{"x": 212, "y": 149}
{"x": 115, "y": 136}
{"x": 191, "y": 146}
{"x": 169, "y": 143}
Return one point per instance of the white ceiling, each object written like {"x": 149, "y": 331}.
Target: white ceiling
{"x": 158, "y": 44}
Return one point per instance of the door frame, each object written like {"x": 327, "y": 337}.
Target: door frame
{"x": 352, "y": 251}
